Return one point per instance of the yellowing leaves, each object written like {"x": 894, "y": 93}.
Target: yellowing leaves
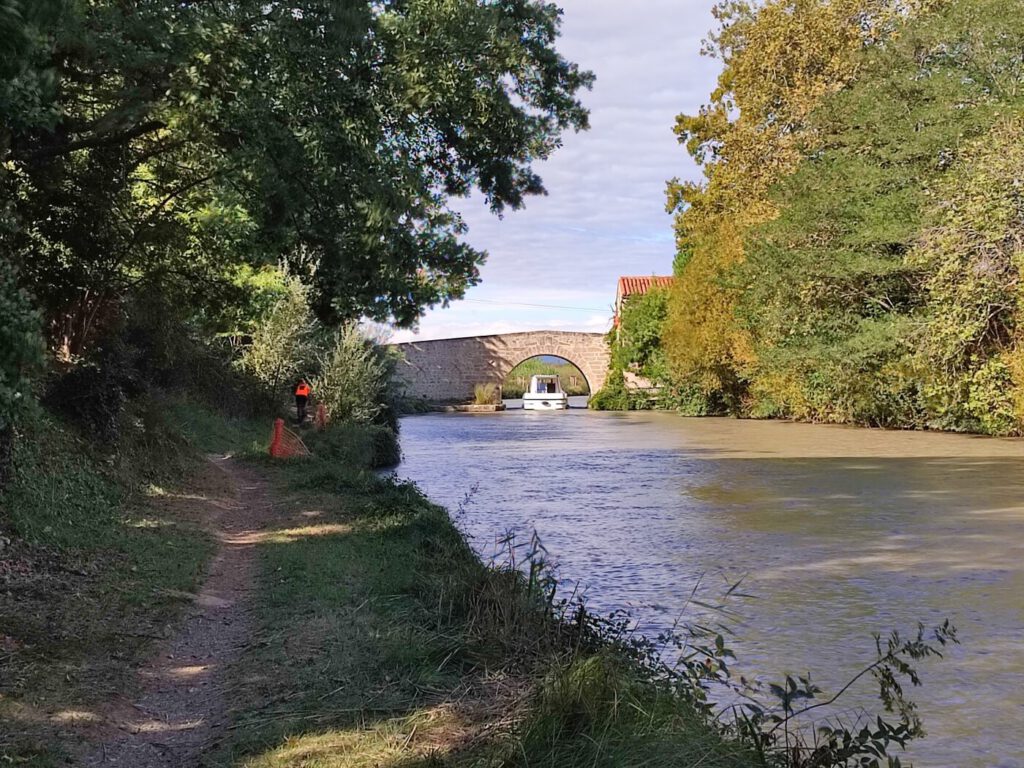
{"x": 780, "y": 61}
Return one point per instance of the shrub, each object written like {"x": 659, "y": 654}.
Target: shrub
{"x": 612, "y": 396}
{"x": 356, "y": 446}
{"x": 355, "y": 381}
{"x": 92, "y": 394}
{"x": 486, "y": 394}
{"x": 21, "y": 349}
{"x": 283, "y": 343}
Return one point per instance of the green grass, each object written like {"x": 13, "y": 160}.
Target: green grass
{"x": 218, "y": 433}
{"x": 383, "y": 641}
{"x": 97, "y": 548}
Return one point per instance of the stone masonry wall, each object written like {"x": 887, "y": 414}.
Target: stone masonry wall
{"x": 449, "y": 369}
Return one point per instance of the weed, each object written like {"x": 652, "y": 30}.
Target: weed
{"x": 486, "y": 394}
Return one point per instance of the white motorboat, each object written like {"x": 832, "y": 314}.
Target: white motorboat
{"x": 545, "y": 394}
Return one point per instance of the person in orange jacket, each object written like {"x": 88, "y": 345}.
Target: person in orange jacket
{"x": 302, "y": 392}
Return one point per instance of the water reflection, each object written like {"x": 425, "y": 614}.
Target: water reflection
{"x": 839, "y": 532}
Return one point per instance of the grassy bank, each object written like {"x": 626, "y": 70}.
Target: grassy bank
{"x": 99, "y": 549}
{"x": 378, "y": 637}
{"x": 383, "y": 641}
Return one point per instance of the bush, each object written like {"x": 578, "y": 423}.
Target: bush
{"x": 283, "y": 344}
{"x": 21, "y": 349}
{"x": 486, "y": 394}
{"x": 92, "y": 395}
{"x": 355, "y": 381}
{"x": 356, "y": 446}
{"x": 612, "y": 396}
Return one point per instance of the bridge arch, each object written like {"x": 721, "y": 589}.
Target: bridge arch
{"x": 449, "y": 369}
{"x": 542, "y": 355}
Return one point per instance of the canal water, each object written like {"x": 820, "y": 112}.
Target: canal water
{"x": 836, "y": 532}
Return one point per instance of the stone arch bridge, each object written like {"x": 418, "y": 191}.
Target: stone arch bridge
{"x": 449, "y": 369}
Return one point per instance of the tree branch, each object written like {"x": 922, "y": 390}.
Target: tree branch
{"x": 110, "y": 140}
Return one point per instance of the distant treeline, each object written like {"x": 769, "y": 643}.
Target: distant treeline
{"x": 854, "y": 253}
{"x": 517, "y": 382}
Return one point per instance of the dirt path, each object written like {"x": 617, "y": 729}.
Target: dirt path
{"x": 182, "y": 708}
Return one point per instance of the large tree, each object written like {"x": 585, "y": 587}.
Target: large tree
{"x": 780, "y": 58}
{"x": 896, "y": 236}
{"x": 188, "y": 138}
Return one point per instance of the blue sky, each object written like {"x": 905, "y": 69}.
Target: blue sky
{"x": 604, "y": 212}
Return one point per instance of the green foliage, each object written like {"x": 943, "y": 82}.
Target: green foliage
{"x": 638, "y": 348}
{"x": 873, "y": 280}
{"x": 178, "y": 145}
{"x": 21, "y": 347}
{"x": 355, "y": 382}
{"x": 637, "y": 345}
{"x": 353, "y": 445}
{"x": 970, "y": 346}
{"x": 828, "y": 289}
{"x": 27, "y": 77}
{"x": 613, "y": 395}
{"x": 780, "y": 59}
{"x": 283, "y": 344}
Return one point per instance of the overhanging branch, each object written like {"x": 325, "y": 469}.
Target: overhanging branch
{"x": 94, "y": 142}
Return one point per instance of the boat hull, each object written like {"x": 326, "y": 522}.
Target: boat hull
{"x": 551, "y": 402}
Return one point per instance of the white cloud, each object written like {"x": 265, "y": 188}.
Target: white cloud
{"x": 604, "y": 213}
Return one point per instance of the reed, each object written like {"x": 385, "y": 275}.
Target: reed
{"x": 486, "y": 394}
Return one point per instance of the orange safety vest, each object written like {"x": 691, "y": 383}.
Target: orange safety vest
{"x": 302, "y": 390}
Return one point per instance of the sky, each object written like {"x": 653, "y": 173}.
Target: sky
{"x": 604, "y": 214}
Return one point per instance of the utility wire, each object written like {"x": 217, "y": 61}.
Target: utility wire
{"x": 540, "y": 306}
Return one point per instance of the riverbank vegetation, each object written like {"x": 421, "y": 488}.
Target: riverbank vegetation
{"x": 853, "y": 252}
{"x": 162, "y": 165}
{"x": 199, "y": 202}
{"x": 382, "y": 640}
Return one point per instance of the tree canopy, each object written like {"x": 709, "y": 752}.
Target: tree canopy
{"x": 851, "y": 255}
{"x": 181, "y": 143}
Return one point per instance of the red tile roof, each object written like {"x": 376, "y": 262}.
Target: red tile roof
{"x": 631, "y": 285}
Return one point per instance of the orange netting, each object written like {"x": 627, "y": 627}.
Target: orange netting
{"x": 320, "y": 420}
{"x": 284, "y": 444}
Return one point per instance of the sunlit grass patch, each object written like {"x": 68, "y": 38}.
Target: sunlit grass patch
{"x": 388, "y": 743}
{"x": 214, "y": 432}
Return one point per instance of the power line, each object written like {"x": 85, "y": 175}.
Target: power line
{"x": 539, "y": 306}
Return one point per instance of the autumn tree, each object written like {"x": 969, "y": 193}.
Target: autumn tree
{"x": 883, "y": 291}
{"x": 779, "y": 60}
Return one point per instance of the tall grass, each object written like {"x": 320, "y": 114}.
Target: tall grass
{"x": 486, "y": 394}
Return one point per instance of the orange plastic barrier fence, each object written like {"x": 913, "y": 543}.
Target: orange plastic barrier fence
{"x": 284, "y": 444}
{"x": 320, "y": 419}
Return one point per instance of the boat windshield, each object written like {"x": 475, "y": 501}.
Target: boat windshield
{"x": 545, "y": 385}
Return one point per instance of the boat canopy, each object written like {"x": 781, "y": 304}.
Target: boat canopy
{"x": 545, "y": 384}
